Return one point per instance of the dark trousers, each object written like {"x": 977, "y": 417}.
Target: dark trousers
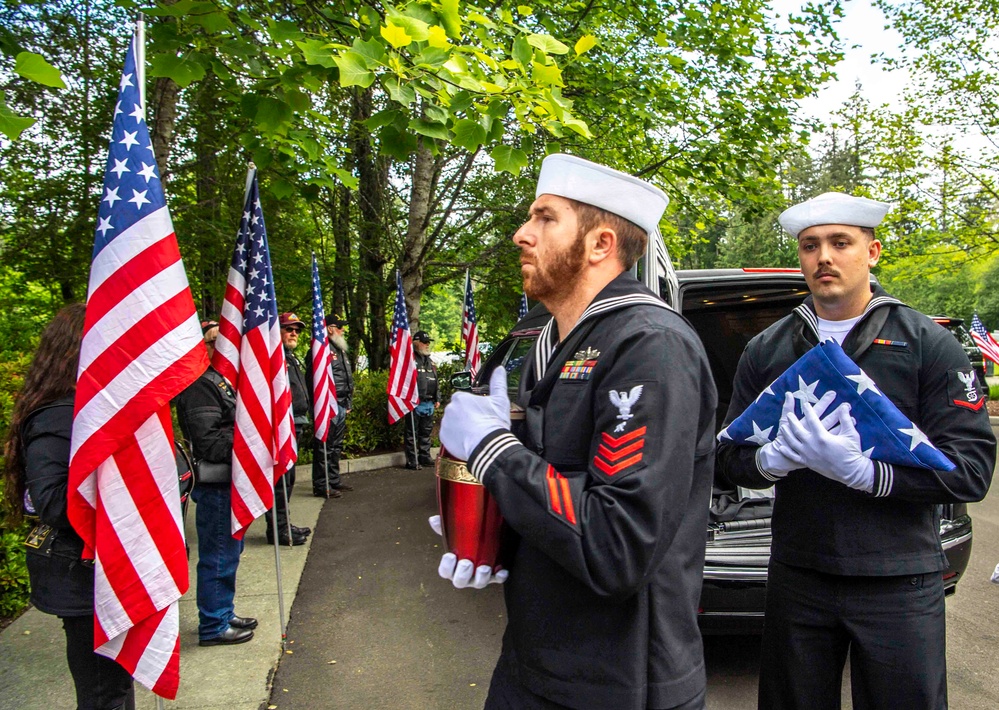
{"x": 893, "y": 629}
{"x": 424, "y": 425}
{"x": 280, "y": 504}
{"x": 507, "y": 693}
{"x": 101, "y": 684}
{"x": 330, "y": 477}
{"x": 218, "y": 558}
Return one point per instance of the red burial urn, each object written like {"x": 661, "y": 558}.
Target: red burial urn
{"x": 470, "y": 518}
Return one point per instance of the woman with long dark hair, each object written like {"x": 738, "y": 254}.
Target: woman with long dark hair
{"x": 37, "y": 479}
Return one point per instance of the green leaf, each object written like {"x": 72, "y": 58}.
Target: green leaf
{"x": 213, "y": 22}
{"x": 431, "y": 57}
{"x": 184, "y": 69}
{"x": 34, "y": 67}
{"x": 451, "y": 18}
{"x": 522, "y": 52}
{"x": 400, "y": 93}
{"x": 11, "y": 124}
{"x": 468, "y": 134}
{"x": 396, "y": 36}
{"x": 547, "y": 44}
{"x": 508, "y": 159}
{"x": 417, "y": 29}
{"x": 585, "y": 44}
{"x": 318, "y": 53}
{"x": 372, "y": 50}
{"x": 272, "y": 115}
{"x": 284, "y": 30}
{"x": 436, "y": 113}
{"x": 280, "y": 188}
{"x": 577, "y": 126}
{"x": 431, "y": 129}
{"x": 397, "y": 144}
{"x": 354, "y": 70}
{"x": 525, "y": 10}
{"x": 346, "y": 178}
{"x": 549, "y": 75}
{"x": 460, "y": 102}
{"x": 382, "y": 118}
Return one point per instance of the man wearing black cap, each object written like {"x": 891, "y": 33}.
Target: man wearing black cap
{"x": 423, "y": 415}
{"x": 326, "y": 481}
{"x": 291, "y": 329}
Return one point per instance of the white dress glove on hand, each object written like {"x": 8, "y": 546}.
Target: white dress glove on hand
{"x": 836, "y": 456}
{"x": 464, "y": 573}
{"x": 469, "y": 418}
{"x": 775, "y": 457}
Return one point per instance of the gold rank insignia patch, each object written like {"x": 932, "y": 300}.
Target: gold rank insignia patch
{"x": 577, "y": 370}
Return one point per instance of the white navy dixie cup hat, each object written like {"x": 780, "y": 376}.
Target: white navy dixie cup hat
{"x": 622, "y": 194}
{"x": 833, "y": 208}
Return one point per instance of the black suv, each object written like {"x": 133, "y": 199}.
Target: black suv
{"x": 956, "y": 326}
{"x": 728, "y": 307}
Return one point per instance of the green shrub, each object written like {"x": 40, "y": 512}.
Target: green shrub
{"x": 368, "y": 430}
{"x": 993, "y": 392}
{"x": 13, "y": 574}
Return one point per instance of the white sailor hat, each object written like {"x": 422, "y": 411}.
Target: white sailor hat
{"x": 833, "y": 208}
{"x": 622, "y": 194}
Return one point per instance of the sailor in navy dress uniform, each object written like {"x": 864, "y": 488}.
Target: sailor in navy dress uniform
{"x": 856, "y": 562}
{"x": 607, "y": 484}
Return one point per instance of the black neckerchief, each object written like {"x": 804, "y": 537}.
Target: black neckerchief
{"x": 805, "y": 335}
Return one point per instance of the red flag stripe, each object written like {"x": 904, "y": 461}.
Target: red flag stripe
{"x": 133, "y": 241}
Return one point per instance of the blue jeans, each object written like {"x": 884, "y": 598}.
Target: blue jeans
{"x": 218, "y": 559}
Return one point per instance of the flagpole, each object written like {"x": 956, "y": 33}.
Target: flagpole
{"x": 326, "y": 470}
{"x": 250, "y": 170}
{"x": 280, "y": 590}
{"x": 416, "y": 448}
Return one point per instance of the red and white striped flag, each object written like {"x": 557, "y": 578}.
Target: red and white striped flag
{"x": 403, "y": 394}
{"x": 470, "y": 329}
{"x": 249, "y": 354}
{"x": 141, "y": 347}
{"x": 984, "y": 340}
{"x": 324, "y": 406}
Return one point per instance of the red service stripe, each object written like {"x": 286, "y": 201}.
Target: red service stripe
{"x": 553, "y": 490}
{"x": 129, "y": 277}
{"x": 616, "y": 468}
{"x": 570, "y": 513}
{"x": 615, "y": 455}
{"x": 968, "y": 405}
{"x": 614, "y": 443}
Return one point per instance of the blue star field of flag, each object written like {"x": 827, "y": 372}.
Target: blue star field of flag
{"x": 318, "y": 314}
{"x": 978, "y": 327}
{"x": 252, "y": 258}
{"x": 400, "y": 320}
{"x": 132, "y": 188}
{"x": 885, "y": 433}
{"x": 470, "y": 307}
{"x": 522, "y": 313}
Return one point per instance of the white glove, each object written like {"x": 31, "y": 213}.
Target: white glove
{"x": 775, "y": 457}
{"x": 836, "y": 456}
{"x": 469, "y": 418}
{"x": 995, "y": 575}
{"x": 463, "y": 573}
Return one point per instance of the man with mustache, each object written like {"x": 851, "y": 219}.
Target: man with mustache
{"x": 856, "y": 564}
{"x": 606, "y": 483}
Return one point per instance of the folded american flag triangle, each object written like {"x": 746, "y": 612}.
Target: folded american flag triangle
{"x": 885, "y": 433}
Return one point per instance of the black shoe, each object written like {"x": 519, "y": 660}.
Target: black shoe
{"x": 426, "y": 462}
{"x": 344, "y": 487}
{"x": 334, "y": 493}
{"x": 230, "y": 636}
{"x": 283, "y": 539}
{"x": 295, "y": 530}
{"x": 413, "y": 467}
{"x": 243, "y": 622}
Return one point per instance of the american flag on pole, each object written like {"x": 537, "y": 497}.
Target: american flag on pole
{"x": 323, "y": 390}
{"x": 141, "y": 346}
{"x": 522, "y": 313}
{"x": 403, "y": 395}
{"x": 249, "y": 354}
{"x": 470, "y": 329}
{"x": 984, "y": 340}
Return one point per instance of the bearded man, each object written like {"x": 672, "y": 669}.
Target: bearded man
{"x": 606, "y": 482}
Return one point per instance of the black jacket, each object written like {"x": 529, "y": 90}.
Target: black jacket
{"x": 426, "y": 378}
{"x": 343, "y": 379}
{"x": 300, "y": 398}
{"x": 61, "y": 583}
{"x": 206, "y": 412}
{"x": 607, "y": 485}
{"x": 824, "y": 525}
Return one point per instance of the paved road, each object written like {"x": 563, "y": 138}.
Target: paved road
{"x": 374, "y": 627}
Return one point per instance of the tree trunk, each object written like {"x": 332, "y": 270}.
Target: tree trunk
{"x": 162, "y": 102}
{"x": 415, "y": 245}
